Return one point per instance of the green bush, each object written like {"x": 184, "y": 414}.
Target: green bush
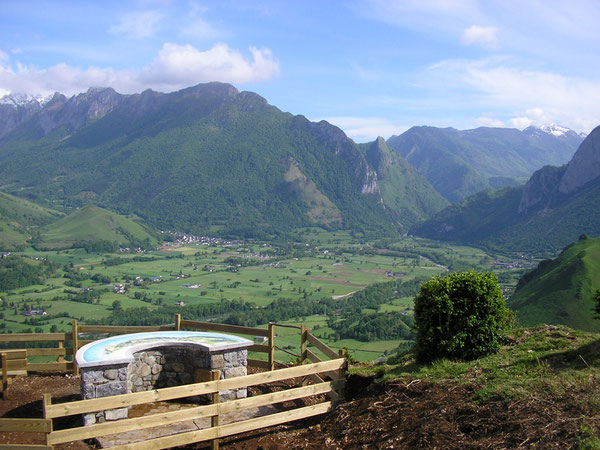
{"x": 460, "y": 316}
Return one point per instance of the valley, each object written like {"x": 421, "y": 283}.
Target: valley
{"x": 311, "y": 281}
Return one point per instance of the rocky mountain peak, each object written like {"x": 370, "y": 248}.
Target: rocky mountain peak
{"x": 379, "y": 156}
{"x": 585, "y": 165}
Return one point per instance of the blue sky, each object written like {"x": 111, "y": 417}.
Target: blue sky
{"x": 372, "y": 67}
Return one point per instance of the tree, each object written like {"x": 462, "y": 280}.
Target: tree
{"x": 116, "y": 305}
{"x": 460, "y": 316}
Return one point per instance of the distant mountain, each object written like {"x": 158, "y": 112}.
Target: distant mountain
{"x": 407, "y": 193}
{"x": 92, "y": 224}
{"x": 20, "y": 220}
{"x": 462, "y": 163}
{"x": 207, "y": 159}
{"x": 555, "y": 206}
{"x": 560, "y": 291}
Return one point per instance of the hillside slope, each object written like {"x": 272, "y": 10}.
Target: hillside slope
{"x": 461, "y": 163}
{"x": 555, "y": 206}
{"x": 20, "y": 220}
{"x": 93, "y": 224}
{"x": 206, "y": 159}
{"x": 406, "y": 192}
{"x": 560, "y": 291}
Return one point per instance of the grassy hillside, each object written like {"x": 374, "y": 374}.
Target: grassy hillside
{"x": 541, "y": 390}
{"x": 20, "y": 219}
{"x": 559, "y": 291}
{"x": 92, "y": 223}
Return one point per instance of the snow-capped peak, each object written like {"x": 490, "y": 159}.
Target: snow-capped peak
{"x": 555, "y": 130}
{"x": 16, "y": 100}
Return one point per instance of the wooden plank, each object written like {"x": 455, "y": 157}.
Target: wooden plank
{"x": 15, "y": 364}
{"x": 237, "y": 329}
{"x": 259, "y": 363}
{"x": 82, "y": 342}
{"x": 188, "y": 390}
{"x": 314, "y": 358}
{"x": 29, "y": 337}
{"x": 112, "y": 329}
{"x": 14, "y": 354}
{"x": 303, "y": 337}
{"x": 75, "y": 346}
{"x": 322, "y": 346}
{"x": 214, "y": 419}
{"x": 121, "y": 426}
{"x": 271, "y": 346}
{"x": 259, "y": 348}
{"x": 26, "y": 425}
{"x": 49, "y": 351}
{"x": 230, "y": 429}
{"x": 66, "y": 366}
{"x": 25, "y": 447}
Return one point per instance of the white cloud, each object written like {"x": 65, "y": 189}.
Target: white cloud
{"x": 138, "y": 25}
{"x": 525, "y": 95}
{"x": 182, "y": 65}
{"x": 489, "y": 122}
{"x": 175, "y": 67}
{"x": 483, "y": 36}
{"x": 3, "y": 56}
{"x": 365, "y": 129}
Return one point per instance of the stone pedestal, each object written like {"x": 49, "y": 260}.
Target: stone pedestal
{"x": 157, "y": 368}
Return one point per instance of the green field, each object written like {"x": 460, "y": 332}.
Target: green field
{"x": 196, "y": 274}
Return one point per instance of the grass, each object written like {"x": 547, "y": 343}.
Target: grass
{"x": 91, "y": 223}
{"x": 339, "y": 270}
{"x": 546, "y": 360}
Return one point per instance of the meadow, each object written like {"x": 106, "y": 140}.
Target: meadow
{"x": 324, "y": 265}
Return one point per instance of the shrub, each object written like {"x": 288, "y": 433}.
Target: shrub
{"x": 460, "y": 316}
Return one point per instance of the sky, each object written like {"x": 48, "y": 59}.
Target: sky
{"x": 371, "y": 67}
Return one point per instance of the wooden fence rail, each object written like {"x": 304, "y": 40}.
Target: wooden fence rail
{"x": 318, "y": 372}
{"x": 336, "y": 367}
{"x": 57, "y": 342}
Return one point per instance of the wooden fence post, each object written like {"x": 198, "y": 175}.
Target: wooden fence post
{"x": 303, "y": 346}
{"x": 47, "y": 401}
{"x": 75, "y": 347}
{"x": 271, "y": 346}
{"x": 216, "y": 398}
{"x": 177, "y": 322}
{"x": 61, "y": 358}
{"x": 342, "y": 372}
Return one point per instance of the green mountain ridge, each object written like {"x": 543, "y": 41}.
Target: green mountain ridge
{"x": 461, "y": 163}
{"x": 404, "y": 190}
{"x": 560, "y": 291}
{"x": 93, "y": 224}
{"x": 20, "y": 220}
{"x": 207, "y": 160}
{"x": 537, "y": 218}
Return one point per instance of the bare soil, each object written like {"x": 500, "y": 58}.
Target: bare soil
{"x": 401, "y": 414}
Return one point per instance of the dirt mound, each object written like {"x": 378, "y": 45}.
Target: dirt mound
{"x": 401, "y": 414}
{"x": 421, "y": 414}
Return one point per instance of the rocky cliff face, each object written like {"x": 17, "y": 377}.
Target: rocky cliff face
{"x": 15, "y": 110}
{"x": 540, "y": 187}
{"x": 585, "y": 165}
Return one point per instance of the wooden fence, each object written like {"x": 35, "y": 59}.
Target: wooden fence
{"x": 327, "y": 374}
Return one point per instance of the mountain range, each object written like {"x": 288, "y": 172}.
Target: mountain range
{"x": 212, "y": 160}
{"x": 555, "y": 206}
{"x": 462, "y": 163}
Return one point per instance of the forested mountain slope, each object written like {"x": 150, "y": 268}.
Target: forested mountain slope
{"x": 461, "y": 163}
{"x": 555, "y": 206}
